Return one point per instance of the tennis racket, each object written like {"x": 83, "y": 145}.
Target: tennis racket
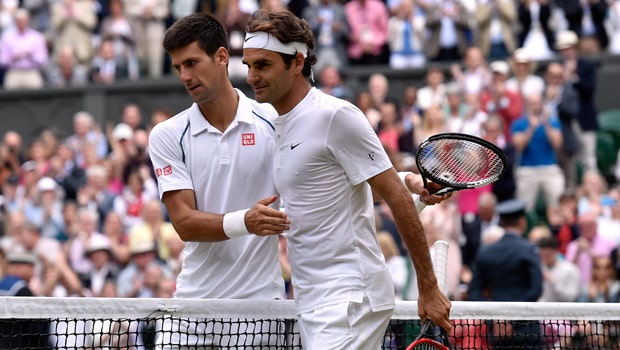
{"x": 459, "y": 161}
{"x": 432, "y": 337}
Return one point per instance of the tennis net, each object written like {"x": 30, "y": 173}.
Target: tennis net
{"x": 100, "y": 323}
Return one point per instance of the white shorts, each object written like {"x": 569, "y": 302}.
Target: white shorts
{"x": 207, "y": 334}
{"x": 345, "y": 325}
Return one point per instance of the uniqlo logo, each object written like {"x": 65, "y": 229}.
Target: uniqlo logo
{"x": 167, "y": 170}
{"x": 248, "y": 140}
{"x": 158, "y": 172}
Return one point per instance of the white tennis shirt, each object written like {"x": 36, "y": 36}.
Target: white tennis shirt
{"x": 326, "y": 150}
{"x": 227, "y": 171}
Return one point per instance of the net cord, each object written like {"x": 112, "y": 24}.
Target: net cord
{"x": 136, "y": 308}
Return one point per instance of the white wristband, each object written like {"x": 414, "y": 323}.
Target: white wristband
{"x": 419, "y": 205}
{"x": 403, "y": 175}
{"x": 234, "y": 224}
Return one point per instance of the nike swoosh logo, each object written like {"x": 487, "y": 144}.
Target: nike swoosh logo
{"x": 295, "y": 145}
{"x": 249, "y": 38}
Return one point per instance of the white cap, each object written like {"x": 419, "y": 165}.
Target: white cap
{"x": 141, "y": 246}
{"x": 46, "y": 183}
{"x": 122, "y": 131}
{"x": 521, "y": 56}
{"x": 500, "y": 67}
{"x": 566, "y": 39}
{"x": 98, "y": 242}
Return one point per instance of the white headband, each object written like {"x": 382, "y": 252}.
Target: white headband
{"x": 266, "y": 41}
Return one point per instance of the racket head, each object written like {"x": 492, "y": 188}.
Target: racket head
{"x": 430, "y": 337}
{"x": 460, "y": 161}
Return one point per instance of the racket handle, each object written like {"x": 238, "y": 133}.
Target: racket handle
{"x": 440, "y": 263}
{"x": 419, "y": 205}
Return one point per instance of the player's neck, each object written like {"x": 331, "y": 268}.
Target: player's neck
{"x": 221, "y": 111}
{"x": 296, "y": 94}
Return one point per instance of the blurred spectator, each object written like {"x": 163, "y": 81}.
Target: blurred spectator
{"x": 390, "y": 128}
{"x": 132, "y": 116}
{"x": 476, "y": 75}
{"x": 474, "y": 116}
{"x": 21, "y": 334}
{"x": 88, "y": 222}
{"x": 46, "y": 210}
{"x": 149, "y": 20}
{"x": 95, "y": 193}
{"x": 496, "y": 98}
{"x": 363, "y": 101}
{"x": 587, "y": 20}
{"x": 38, "y": 155}
{"x": 603, "y": 286}
{"x": 234, "y": 17}
{"x": 368, "y": 23}
{"x": 406, "y": 36}
{"x": 434, "y": 92}
{"x": 23, "y": 53}
{"x": 130, "y": 281}
{"x": 64, "y": 71}
{"x": 73, "y": 23}
{"x": 7, "y": 14}
{"x": 537, "y": 232}
{"x": 139, "y": 188}
{"x": 410, "y": 115}
{"x": 379, "y": 89}
{"x": 454, "y": 107}
{"x": 12, "y": 150}
{"x": 331, "y": 30}
{"x": 582, "y": 73}
{"x": 117, "y": 27}
{"x": 475, "y": 224}
{"x": 563, "y": 220}
{"x": 536, "y": 35}
{"x": 86, "y": 131}
{"x": 99, "y": 252}
{"x": 561, "y": 281}
{"x": 433, "y": 122}
{"x": 448, "y": 25}
{"x": 70, "y": 225}
{"x": 118, "y": 237}
{"x": 106, "y": 67}
{"x": 395, "y": 261}
{"x": 582, "y": 250}
{"x": 524, "y": 81}
{"x": 561, "y": 98}
{"x": 495, "y": 28}
{"x": 614, "y": 27}
{"x": 537, "y": 136}
{"x": 155, "y": 228}
{"x": 591, "y": 192}
{"x": 330, "y": 82}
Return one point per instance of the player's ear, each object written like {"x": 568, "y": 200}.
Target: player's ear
{"x": 221, "y": 56}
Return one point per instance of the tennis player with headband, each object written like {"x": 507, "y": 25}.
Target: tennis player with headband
{"x": 328, "y": 160}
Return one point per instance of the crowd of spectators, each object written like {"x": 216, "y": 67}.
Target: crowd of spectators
{"x": 77, "y": 42}
{"x": 84, "y": 201}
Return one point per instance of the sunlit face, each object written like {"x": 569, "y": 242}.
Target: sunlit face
{"x": 200, "y": 74}
{"x": 268, "y": 76}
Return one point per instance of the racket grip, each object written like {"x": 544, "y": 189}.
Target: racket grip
{"x": 419, "y": 205}
{"x": 440, "y": 263}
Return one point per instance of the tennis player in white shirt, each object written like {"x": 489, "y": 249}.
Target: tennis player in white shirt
{"x": 327, "y": 160}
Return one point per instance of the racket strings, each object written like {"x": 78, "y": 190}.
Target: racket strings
{"x": 457, "y": 162}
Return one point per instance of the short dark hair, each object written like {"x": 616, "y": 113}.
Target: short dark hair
{"x": 197, "y": 27}
{"x": 548, "y": 242}
{"x": 287, "y": 28}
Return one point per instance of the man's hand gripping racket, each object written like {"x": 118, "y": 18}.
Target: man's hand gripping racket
{"x": 457, "y": 162}
{"x": 431, "y": 336}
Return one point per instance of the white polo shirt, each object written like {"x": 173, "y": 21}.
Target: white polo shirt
{"x": 326, "y": 150}
{"x": 227, "y": 171}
